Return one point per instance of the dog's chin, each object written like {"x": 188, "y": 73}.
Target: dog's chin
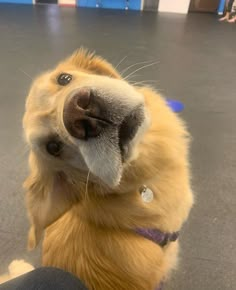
{"x": 102, "y": 163}
{"x": 106, "y": 155}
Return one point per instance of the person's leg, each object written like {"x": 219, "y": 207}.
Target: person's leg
{"x": 228, "y": 11}
{"x": 226, "y": 17}
{"x": 44, "y": 279}
{"x": 230, "y": 5}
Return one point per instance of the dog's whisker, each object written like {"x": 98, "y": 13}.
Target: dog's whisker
{"x": 138, "y": 69}
{"x": 145, "y": 82}
{"x": 133, "y": 65}
{"x": 21, "y": 70}
{"x": 121, "y": 61}
{"x": 86, "y": 186}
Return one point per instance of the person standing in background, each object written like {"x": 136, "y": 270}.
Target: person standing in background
{"x": 228, "y": 13}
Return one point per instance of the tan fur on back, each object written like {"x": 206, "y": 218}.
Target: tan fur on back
{"x": 93, "y": 237}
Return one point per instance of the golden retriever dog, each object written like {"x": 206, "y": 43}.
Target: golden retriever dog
{"x": 109, "y": 183}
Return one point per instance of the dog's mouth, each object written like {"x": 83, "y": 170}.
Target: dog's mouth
{"x": 86, "y": 115}
{"x": 128, "y": 129}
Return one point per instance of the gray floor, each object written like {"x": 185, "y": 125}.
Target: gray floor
{"x": 197, "y": 64}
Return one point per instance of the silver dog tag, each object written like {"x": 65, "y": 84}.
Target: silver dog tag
{"x": 147, "y": 194}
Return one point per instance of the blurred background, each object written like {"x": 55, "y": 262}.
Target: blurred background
{"x": 194, "y": 61}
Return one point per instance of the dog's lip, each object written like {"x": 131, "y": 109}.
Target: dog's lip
{"x": 127, "y": 131}
{"x": 104, "y": 120}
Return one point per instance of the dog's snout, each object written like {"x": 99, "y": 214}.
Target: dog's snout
{"x": 81, "y": 115}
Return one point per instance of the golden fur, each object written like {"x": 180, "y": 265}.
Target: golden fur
{"x": 89, "y": 227}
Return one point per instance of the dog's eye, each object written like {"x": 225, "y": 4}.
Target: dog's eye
{"x": 54, "y": 148}
{"x": 64, "y": 79}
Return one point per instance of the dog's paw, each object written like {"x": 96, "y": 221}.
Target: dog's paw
{"x": 19, "y": 267}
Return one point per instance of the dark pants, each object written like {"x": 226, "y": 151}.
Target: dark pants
{"x": 229, "y": 5}
{"x": 44, "y": 279}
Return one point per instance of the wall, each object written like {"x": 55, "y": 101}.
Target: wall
{"x": 67, "y": 2}
{"x": 177, "y": 6}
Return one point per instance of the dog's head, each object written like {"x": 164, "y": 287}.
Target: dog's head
{"x": 86, "y": 125}
{"x": 83, "y": 115}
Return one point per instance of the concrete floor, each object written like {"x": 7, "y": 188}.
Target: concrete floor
{"x": 197, "y": 64}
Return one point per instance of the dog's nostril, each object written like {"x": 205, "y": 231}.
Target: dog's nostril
{"x": 87, "y": 128}
{"x": 92, "y": 128}
{"x": 82, "y": 98}
{"x": 54, "y": 148}
{"x": 82, "y": 115}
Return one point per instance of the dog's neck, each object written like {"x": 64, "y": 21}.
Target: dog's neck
{"x": 129, "y": 210}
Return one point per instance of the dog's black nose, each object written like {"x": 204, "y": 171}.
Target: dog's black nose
{"x": 82, "y": 115}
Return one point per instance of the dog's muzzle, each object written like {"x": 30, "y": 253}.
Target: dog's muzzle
{"x": 103, "y": 118}
{"x": 87, "y": 115}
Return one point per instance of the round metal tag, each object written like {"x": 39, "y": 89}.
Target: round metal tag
{"x": 147, "y": 194}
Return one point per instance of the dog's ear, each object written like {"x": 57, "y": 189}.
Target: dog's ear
{"x": 48, "y": 196}
{"x": 87, "y": 61}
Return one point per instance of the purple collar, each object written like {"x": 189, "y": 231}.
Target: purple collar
{"x": 157, "y": 236}
{"x": 154, "y": 235}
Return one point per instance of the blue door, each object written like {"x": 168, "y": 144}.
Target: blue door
{"x": 112, "y": 4}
